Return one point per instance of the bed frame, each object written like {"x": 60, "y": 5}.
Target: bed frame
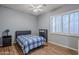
{"x": 42, "y": 32}
{"x": 17, "y": 33}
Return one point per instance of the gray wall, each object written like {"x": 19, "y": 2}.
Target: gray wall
{"x": 15, "y": 20}
{"x": 44, "y": 22}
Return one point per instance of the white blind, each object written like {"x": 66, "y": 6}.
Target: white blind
{"x": 68, "y": 23}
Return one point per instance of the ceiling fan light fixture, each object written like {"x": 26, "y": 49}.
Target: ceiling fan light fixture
{"x": 35, "y": 10}
{"x": 40, "y": 9}
{"x": 39, "y": 6}
{"x": 32, "y": 5}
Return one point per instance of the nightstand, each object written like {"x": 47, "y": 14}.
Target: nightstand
{"x": 6, "y": 40}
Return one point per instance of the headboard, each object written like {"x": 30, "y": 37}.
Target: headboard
{"x": 17, "y": 33}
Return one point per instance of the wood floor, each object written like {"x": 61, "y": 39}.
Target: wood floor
{"x": 48, "y": 49}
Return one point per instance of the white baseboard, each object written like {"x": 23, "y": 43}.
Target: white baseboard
{"x": 63, "y": 46}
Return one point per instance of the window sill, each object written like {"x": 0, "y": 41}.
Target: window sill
{"x": 65, "y": 34}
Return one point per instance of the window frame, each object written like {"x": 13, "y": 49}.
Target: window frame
{"x": 62, "y": 33}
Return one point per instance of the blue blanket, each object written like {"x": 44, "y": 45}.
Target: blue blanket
{"x": 29, "y": 42}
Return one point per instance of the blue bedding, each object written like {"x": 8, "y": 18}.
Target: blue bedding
{"x": 29, "y": 42}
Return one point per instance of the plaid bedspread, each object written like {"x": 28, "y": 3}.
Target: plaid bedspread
{"x": 29, "y": 42}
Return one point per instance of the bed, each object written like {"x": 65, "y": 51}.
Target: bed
{"x": 27, "y": 41}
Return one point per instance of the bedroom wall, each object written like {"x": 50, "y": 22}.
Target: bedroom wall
{"x": 43, "y": 22}
{"x": 15, "y": 20}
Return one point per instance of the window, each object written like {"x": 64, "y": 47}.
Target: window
{"x": 58, "y": 24}
{"x": 68, "y": 23}
{"x": 53, "y": 22}
{"x": 65, "y": 23}
{"x": 74, "y": 23}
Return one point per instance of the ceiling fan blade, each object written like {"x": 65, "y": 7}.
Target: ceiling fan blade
{"x": 40, "y": 9}
{"x": 39, "y": 6}
{"x": 42, "y": 5}
{"x": 32, "y": 6}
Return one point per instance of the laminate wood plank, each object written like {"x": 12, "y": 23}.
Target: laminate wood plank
{"x": 48, "y": 49}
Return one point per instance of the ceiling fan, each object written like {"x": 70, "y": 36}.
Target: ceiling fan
{"x": 37, "y": 7}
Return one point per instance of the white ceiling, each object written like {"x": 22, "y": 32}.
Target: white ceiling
{"x": 28, "y": 9}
